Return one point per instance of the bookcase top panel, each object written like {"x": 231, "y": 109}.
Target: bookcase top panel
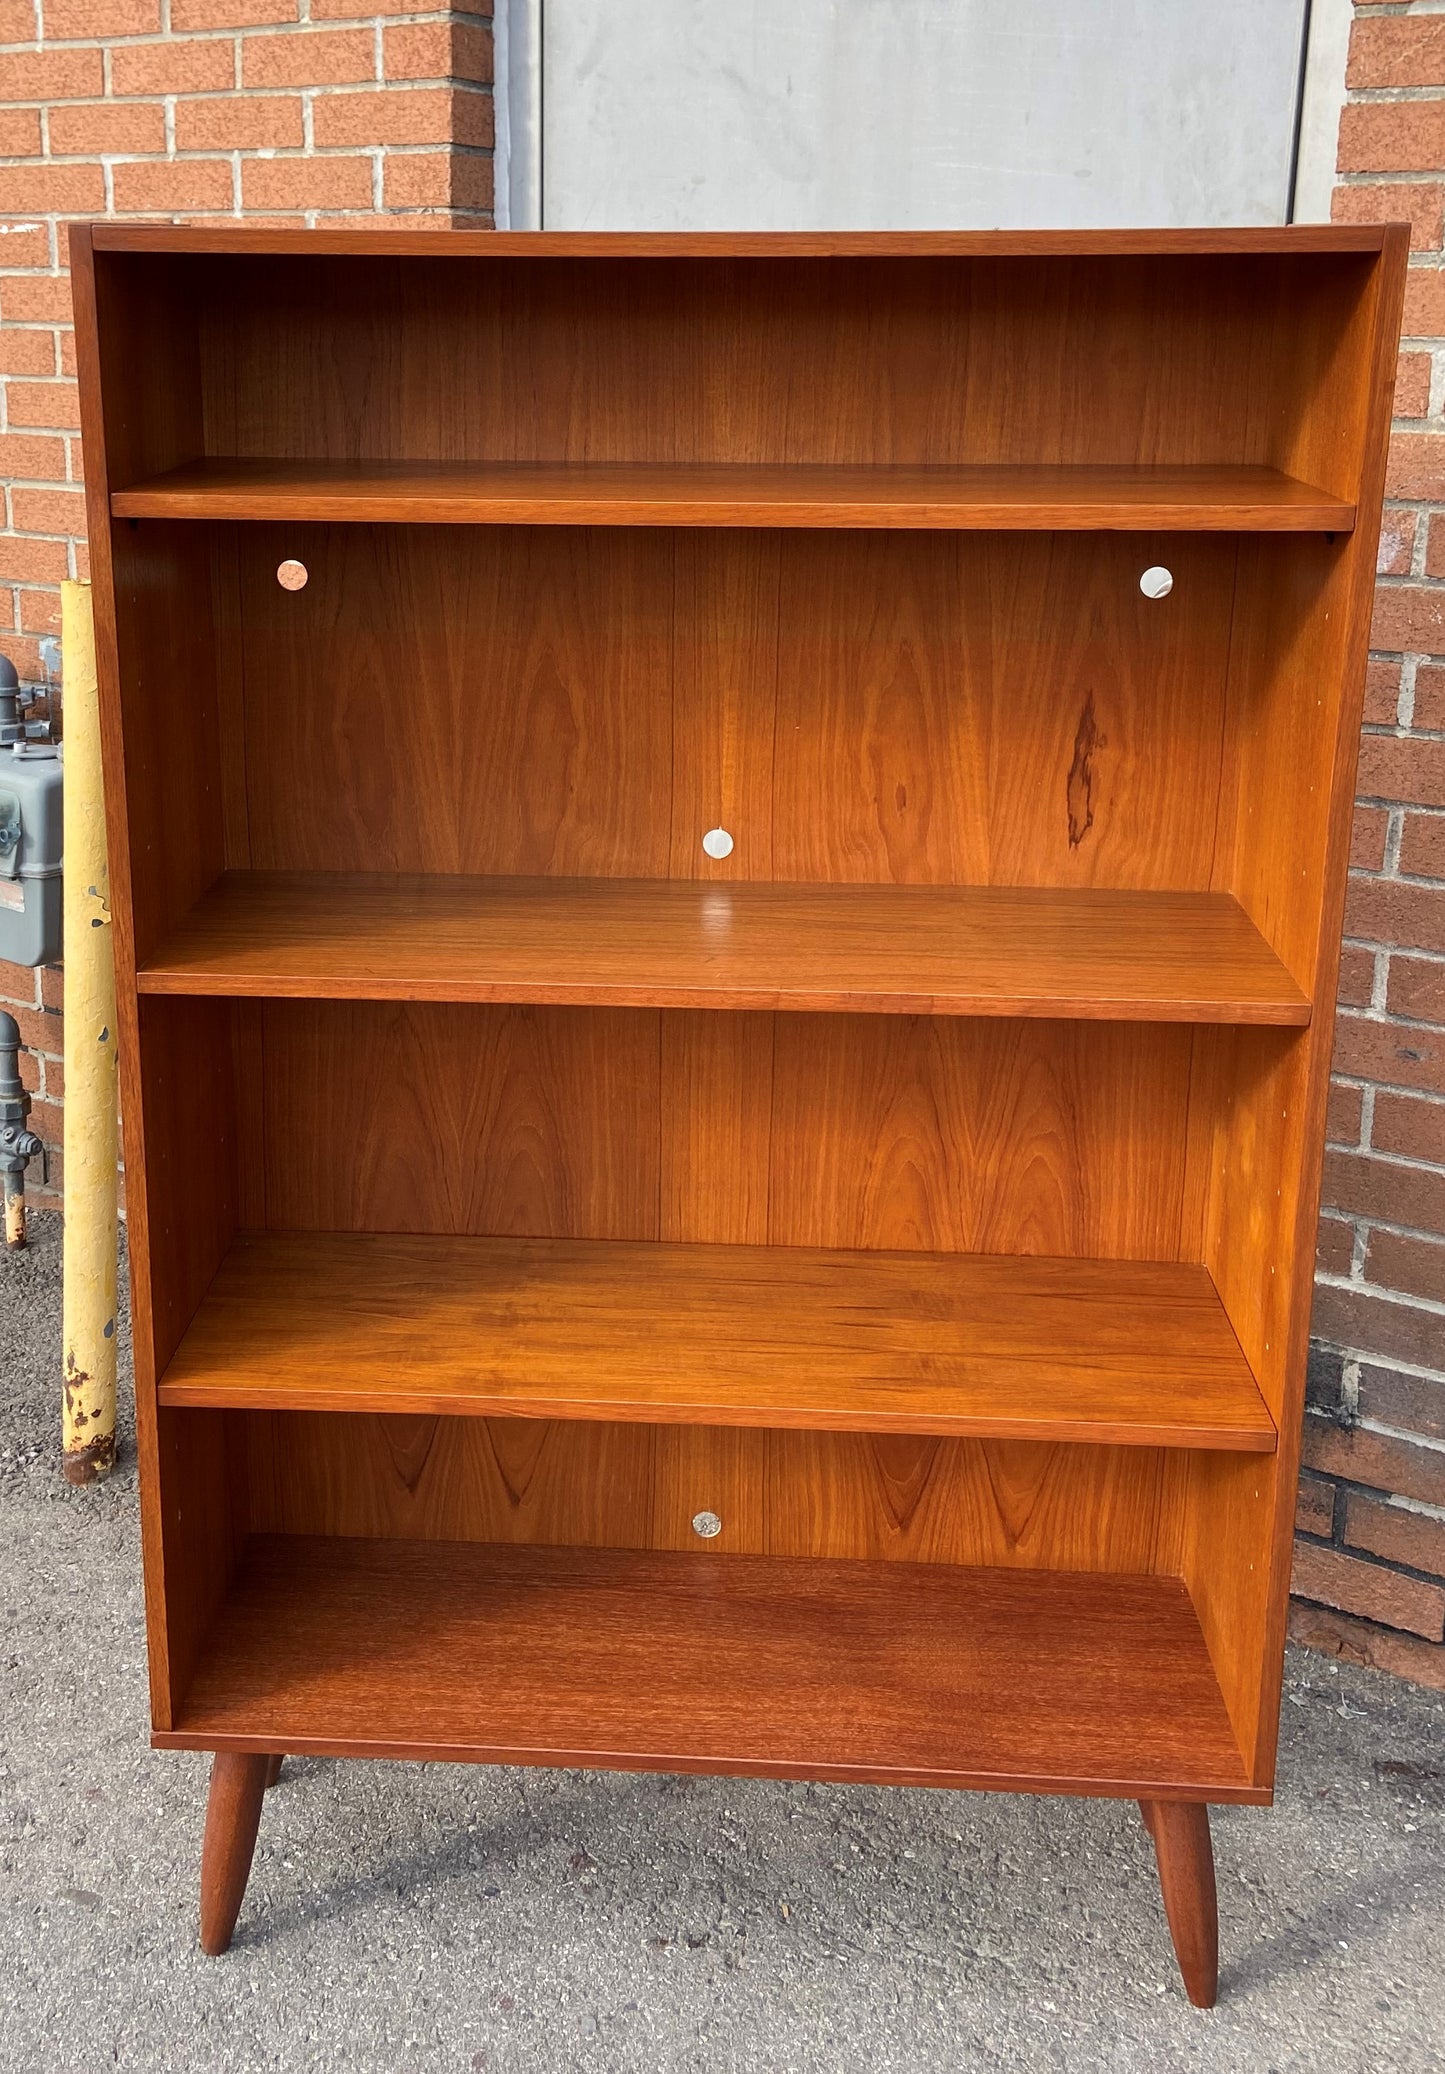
{"x": 1228, "y": 243}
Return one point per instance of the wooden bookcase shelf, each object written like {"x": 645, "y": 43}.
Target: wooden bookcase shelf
{"x": 833, "y": 1308}
{"x": 1073, "y": 497}
{"x": 665, "y": 1662}
{"x": 673, "y": 943}
{"x": 1082, "y": 1350}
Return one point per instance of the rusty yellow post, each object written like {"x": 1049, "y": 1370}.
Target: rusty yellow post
{"x": 91, "y": 1147}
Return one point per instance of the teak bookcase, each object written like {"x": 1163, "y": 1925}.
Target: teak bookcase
{"x": 926, "y": 1189}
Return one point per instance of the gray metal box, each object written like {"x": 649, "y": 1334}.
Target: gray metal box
{"x": 30, "y": 853}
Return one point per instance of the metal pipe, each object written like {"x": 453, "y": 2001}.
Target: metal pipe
{"x": 18, "y": 1145}
{"x": 91, "y": 1137}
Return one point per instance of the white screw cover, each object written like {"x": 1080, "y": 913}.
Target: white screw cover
{"x": 718, "y": 843}
{"x": 1156, "y": 582}
{"x": 707, "y": 1524}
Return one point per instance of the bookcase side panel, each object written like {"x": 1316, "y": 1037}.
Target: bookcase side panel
{"x": 1296, "y": 684}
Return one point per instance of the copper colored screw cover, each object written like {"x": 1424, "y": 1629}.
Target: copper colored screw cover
{"x": 291, "y": 576}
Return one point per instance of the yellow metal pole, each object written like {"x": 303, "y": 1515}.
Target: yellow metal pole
{"x": 91, "y": 1145}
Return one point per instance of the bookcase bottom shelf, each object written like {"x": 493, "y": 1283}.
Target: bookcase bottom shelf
{"x": 895, "y": 1673}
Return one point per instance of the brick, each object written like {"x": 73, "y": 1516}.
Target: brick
{"x": 1367, "y": 838}
{"x": 31, "y": 561}
{"x": 22, "y": 133}
{"x": 1396, "y": 911}
{"x": 1396, "y": 552}
{"x": 1413, "y": 1403}
{"x": 316, "y": 57}
{"x": 40, "y": 612}
{"x": 1429, "y": 708}
{"x": 24, "y": 654}
{"x": 1395, "y": 1533}
{"x": 173, "y": 186}
{"x": 24, "y": 244}
{"x": 306, "y": 183}
{"x": 1357, "y": 976}
{"x": 358, "y": 10}
{"x": 44, "y": 406}
{"x": 1435, "y": 547}
{"x": 1367, "y": 1589}
{"x": 108, "y": 127}
{"x": 265, "y": 122}
{"x": 437, "y": 50}
{"x": 420, "y": 115}
{"x": 200, "y": 67}
{"x": 472, "y": 180}
{"x": 1392, "y": 137}
{"x": 1410, "y": 617}
{"x": 1382, "y": 692}
{"x": 51, "y": 189}
{"x": 1417, "y": 988}
{"x": 53, "y": 1074}
{"x": 27, "y": 352}
{"x": 29, "y": 454}
{"x": 1392, "y": 201}
{"x": 51, "y": 75}
{"x": 1415, "y": 466}
{"x": 1409, "y": 1126}
{"x": 17, "y": 21}
{"x": 105, "y": 20}
{"x": 34, "y": 298}
{"x": 38, "y": 1030}
{"x": 232, "y": 14}
{"x": 1398, "y": 1054}
{"x": 1414, "y": 1266}
{"x": 1379, "y": 1323}
{"x": 52, "y": 989}
{"x": 17, "y": 984}
{"x": 1401, "y": 768}
{"x": 1372, "y": 1187}
{"x": 1315, "y": 1507}
{"x": 1345, "y": 1113}
{"x": 67, "y": 353}
{"x": 1377, "y": 1459}
{"x": 1361, "y": 1642}
{"x": 418, "y": 180}
{"x": 1424, "y": 312}
{"x": 1335, "y": 1248}
{"x": 47, "y": 511}
{"x": 1397, "y": 52}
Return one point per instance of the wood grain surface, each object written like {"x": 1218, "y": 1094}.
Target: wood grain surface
{"x": 956, "y": 950}
{"x": 1217, "y": 499}
{"x": 1136, "y": 1352}
{"x": 922, "y": 1674}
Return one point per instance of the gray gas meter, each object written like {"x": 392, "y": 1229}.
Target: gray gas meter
{"x": 30, "y": 835}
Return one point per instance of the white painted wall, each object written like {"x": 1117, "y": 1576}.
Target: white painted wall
{"x": 799, "y": 114}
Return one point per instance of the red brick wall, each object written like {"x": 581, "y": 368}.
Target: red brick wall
{"x": 1370, "y": 1558}
{"x": 174, "y": 110}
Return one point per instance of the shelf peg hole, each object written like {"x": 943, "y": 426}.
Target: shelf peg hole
{"x": 718, "y": 843}
{"x": 292, "y": 576}
{"x": 1157, "y": 582}
{"x": 707, "y": 1525}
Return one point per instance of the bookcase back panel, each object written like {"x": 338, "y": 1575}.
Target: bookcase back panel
{"x": 570, "y": 1483}
{"x": 914, "y": 708}
{"x": 933, "y": 1133}
{"x": 904, "y": 359}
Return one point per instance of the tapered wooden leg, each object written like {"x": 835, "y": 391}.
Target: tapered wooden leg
{"x": 233, "y": 1814}
{"x": 273, "y": 1770}
{"x": 1180, "y": 1829}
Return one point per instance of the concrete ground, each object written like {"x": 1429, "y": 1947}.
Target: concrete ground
{"x": 424, "y": 1917}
